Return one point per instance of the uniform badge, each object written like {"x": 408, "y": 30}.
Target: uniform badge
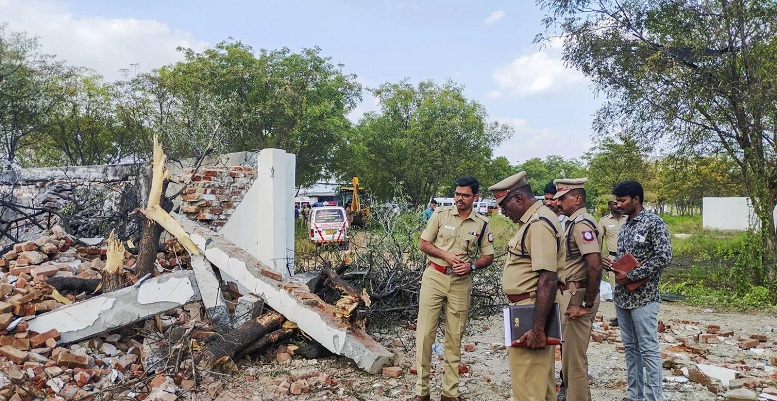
{"x": 588, "y": 236}
{"x": 490, "y": 237}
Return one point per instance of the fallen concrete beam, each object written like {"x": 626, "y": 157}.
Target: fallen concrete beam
{"x": 290, "y": 298}
{"x": 119, "y": 308}
{"x": 212, "y": 297}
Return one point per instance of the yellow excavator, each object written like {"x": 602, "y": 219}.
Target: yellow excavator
{"x": 355, "y": 203}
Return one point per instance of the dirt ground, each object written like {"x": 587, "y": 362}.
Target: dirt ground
{"x": 335, "y": 378}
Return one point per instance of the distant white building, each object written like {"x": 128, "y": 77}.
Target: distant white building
{"x": 730, "y": 213}
{"x": 321, "y": 192}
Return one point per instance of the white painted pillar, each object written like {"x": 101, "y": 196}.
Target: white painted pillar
{"x": 263, "y": 222}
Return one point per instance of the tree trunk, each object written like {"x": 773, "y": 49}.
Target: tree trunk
{"x": 74, "y": 284}
{"x": 222, "y": 349}
{"x": 114, "y": 277}
{"x": 263, "y": 343}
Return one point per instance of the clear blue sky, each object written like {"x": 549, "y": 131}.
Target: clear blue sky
{"x": 486, "y": 46}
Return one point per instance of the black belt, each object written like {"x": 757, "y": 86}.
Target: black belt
{"x": 613, "y": 253}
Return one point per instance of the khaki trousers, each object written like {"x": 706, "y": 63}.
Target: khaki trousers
{"x": 577, "y": 334}
{"x": 532, "y": 372}
{"x": 438, "y": 289}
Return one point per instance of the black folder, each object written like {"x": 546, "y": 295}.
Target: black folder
{"x": 518, "y": 319}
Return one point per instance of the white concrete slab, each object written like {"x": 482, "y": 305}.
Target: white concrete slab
{"x": 119, "y": 308}
{"x": 212, "y": 297}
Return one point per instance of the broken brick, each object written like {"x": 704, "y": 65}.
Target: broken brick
{"x": 44, "y": 270}
{"x": 69, "y": 360}
{"x": 17, "y": 356}
{"x": 392, "y": 371}
{"x": 5, "y": 319}
{"x": 40, "y": 339}
{"x": 748, "y": 343}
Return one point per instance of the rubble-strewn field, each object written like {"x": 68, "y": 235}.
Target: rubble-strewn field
{"x": 487, "y": 377}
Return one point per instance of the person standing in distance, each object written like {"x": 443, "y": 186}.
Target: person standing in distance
{"x": 580, "y": 291}
{"x": 535, "y": 260}
{"x": 430, "y": 210}
{"x": 609, "y": 226}
{"x": 646, "y": 236}
{"x": 453, "y": 239}
{"x": 552, "y": 203}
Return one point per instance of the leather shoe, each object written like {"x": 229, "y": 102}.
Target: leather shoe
{"x": 446, "y": 398}
{"x": 421, "y": 398}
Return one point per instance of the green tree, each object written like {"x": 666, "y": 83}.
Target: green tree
{"x": 686, "y": 181}
{"x": 240, "y": 100}
{"x": 541, "y": 172}
{"x": 30, "y": 89}
{"x": 422, "y": 139}
{"x": 612, "y": 161}
{"x": 82, "y": 129}
{"x": 694, "y": 77}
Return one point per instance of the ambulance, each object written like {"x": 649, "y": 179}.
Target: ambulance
{"x": 328, "y": 225}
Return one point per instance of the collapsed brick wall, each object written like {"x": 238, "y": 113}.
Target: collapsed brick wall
{"x": 214, "y": 192}
{"x": 90, "y": 201}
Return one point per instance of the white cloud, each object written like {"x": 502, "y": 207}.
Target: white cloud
{"x": 105, "y": 45}
{"x": 530, "y": 141}
{"x": 538, "y": 72}
{"x": 494, "y": 95}
{"x": 494, "y": 17}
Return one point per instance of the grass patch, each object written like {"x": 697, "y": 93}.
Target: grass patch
{"x": 714, "y": 268}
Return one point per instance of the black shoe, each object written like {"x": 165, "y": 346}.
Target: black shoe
{"x": 614, "y": 322}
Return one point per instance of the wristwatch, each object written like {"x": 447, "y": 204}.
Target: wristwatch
{"x": 587, "y": 305}
{"x": 472, "y": 266}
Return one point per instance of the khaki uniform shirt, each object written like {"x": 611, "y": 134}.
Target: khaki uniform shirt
{"x": 448, "y": 232}
{"x": 609, "y": 227}
{"x": 543, "y": 250}
{"x": 582, "y": 237}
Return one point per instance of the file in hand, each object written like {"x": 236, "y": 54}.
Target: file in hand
{"x": 518, "y": 319}
{"x": 627, "y": 263}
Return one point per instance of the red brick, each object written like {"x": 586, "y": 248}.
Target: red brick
{"x": 5, "y": 320}
{"x": 392, "y": 371}
{"x": 44, "y": 270}
{"x": 40, "y": 339}
{"x": 760, "y": 337}
{"x": 299, "y": 387}
{"x": 49, "y": 248}
{"x": 69, "y": 360}
{"x": 21, "y": 343}
{"x": 749, "y": 343}
{"x": 17, "y": 356}
{"x": 29, "y": 246}
{"x": 271, "y": 274}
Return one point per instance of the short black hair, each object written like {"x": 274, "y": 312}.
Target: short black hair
{"x": 469, "y": 181}
{"x": 550, "y": 188}
{"x": 578, "y": 191}
{"x": 433, "y": 202}
{"x": 629, "y": 188}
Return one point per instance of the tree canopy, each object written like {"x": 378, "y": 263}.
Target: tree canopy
{"x": 422, "y": 139}
{"x": 696, "y": 78}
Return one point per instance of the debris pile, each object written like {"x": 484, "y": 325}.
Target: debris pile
{"x": 35, "y": 365}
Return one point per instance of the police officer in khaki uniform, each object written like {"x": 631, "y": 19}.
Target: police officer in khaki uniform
{"x": 609, "y": 226}
{"x": 535, "y": 259}
{"x": 580, "y": 291}
{"x": 453, "y": 239}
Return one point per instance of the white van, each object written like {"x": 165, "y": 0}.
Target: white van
{"x": 328, "y": 225}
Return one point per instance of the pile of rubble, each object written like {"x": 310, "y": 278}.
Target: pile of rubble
{"x": 731, "y": 363}
{"x": 35, "y": 366}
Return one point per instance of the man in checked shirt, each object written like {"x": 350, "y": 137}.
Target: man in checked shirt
{"x": 646, "y": 236}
